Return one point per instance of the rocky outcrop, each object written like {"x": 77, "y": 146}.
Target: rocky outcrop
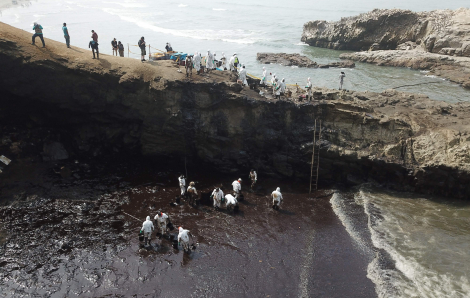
{"x": 341, "y": 64}
{"x": 298, "y": 60}
{"x": 439, "y": 31}
{"x": 285, "y": 59}
{"x": 115, "y": 106}
{"x": 395, "y": 37}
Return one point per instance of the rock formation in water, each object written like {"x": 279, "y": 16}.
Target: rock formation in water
{"x": 439, "y": 31}
{"x": 298, "y": 60}
{"x": 285, "y": 59}
{"x": 116, "y": 105}
{"x": 395, "y": 37}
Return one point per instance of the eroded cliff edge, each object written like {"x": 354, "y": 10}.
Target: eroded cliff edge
{"x": 403, "y": 140}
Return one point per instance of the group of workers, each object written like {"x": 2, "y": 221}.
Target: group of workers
{"x": 218, "y": 197}
{"x": 162, "y": 220}
{"x": 209, "y": 62}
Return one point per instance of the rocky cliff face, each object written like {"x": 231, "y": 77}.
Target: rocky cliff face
{"x": 440, "y": 31}
{"x": 117, "y": 105}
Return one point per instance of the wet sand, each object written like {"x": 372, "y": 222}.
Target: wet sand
{"x": 300, "y": 251}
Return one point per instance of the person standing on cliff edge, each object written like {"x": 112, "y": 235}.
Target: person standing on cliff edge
{"x": 114, "y": 46}
{"x": 341, "y": 80}
{"x": 142, "y": 47}
{"x": 309, "y": 90}
{"x": 121, "y": 49}
{"x": 94, "y": 47}
{"x": 38, "y": 33}
{"x": 66, "y": 35}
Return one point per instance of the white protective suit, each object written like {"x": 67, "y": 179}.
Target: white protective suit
{"x": 147, "y": 227}
{"x": 197, "y": 62}
{"x": 162, "y": 220}
{"x": 224, "y": 61}
{"x": 183, "y": 238}
{"x": 209, "y": 60}
{"x": 182, "y": 182}
{"x": 242, "y": 75}
{"x": 217, "y": 197}
{"x": 309, "y": 89}
{"x": 282, "y": 86}
{"x": 237, "y": 187}
{"x": 253, "y": 176}
{"x": 277, "y": 197}
{"x": 263, "y": 77}
{"x": 273, "y": 82}
{"x": 230, "y": 202}
{"x": 232, "y": 62}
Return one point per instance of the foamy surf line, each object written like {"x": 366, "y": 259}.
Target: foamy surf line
{"x": 410, "y": 278}
{"x": 208, "y": 34}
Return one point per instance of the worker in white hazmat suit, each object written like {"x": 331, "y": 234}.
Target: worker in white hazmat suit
{"x": 232, "y": 62}
{"x": 277, "y": 198}
{"x": 242, "y": 76}
{"x": 209, "y": 61}
{"x": 263, "y": 77}
{"x": 237, "y": 188}
{"x": 183, "y": 238}
{"x": 147, "y": 228}
{"x": 309, "y": 89}
{"x": 223, "y": 59}
{"x": 197, "y": 62}
{"x": 253, "y": 177}
{"x": 273, "y": 82}
{"x": 162, "y": 221}
{"x": 182, "y": 182}
{"x": 283, "y": 86}
{"x": 280, "y": 88}
{"x": 217, "y": 196}
{"x": 231, "y": 203}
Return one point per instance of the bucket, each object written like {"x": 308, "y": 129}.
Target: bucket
{"x": 175, "y": 244}
{"x": 141, "y": 236}
{"x": 170, "y": 226}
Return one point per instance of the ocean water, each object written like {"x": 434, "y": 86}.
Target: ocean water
{"x": 245, "y": 27}
{"x": 420, "y": 244}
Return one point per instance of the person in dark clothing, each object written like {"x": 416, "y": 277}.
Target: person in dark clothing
{"x": 94, "y": 47}
{"x": 114, "y": 44}
{"x": 168, "y": 47}
{"x": 121, "y": 49}
{"x": 94, "y": 35}
{"x": 38, "y": 33}
{"x": 66, "y": 35}
{"x": 142, "y": 47}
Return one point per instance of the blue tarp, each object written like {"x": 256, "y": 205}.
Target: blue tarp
{"x": 175, "y": 56}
